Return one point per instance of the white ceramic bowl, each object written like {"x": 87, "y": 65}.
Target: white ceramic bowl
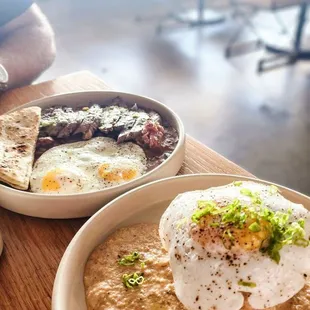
{"x": 85, "y": 204}
{"x": 144, "y": 204}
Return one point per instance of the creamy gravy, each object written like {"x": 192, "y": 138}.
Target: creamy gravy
{"x": 103, "y": 275}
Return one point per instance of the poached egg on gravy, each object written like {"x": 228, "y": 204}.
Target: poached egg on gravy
{"x": 240, "y": 238}
{"x": 87, "y": 166}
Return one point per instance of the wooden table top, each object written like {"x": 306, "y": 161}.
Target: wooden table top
{"x": 33, "y": 247}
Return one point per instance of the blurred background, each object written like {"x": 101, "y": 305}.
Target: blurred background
{"x": 216, "y": 63}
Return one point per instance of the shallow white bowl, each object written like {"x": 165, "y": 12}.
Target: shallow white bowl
{"x": 144, "y": 204}
{"x": 85, "y": 204}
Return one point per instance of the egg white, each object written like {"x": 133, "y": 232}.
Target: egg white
{"x": 87, "y": 166}
{"x": 207, "y": 277}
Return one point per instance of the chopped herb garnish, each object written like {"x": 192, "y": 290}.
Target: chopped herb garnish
{"x": 204, "y": 208}
{"x": 227, "y": 233}
{"x": 278, "y": 227}
{"x": 255, "y": 227}
{"x": 237, "y": 183}
{"x": 256, "y": 199}
{"x": 46, "y": 123}
{"x": 301, "y": 223}
{"x": 133, "y": 279}
{"x": 273, "y": 189}
{"x": 246, "y": 192}
{"x": 129, "y": 260}
{"x": 247, "y": 284}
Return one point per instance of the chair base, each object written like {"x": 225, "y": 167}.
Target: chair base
{"x": 194, "y": 18}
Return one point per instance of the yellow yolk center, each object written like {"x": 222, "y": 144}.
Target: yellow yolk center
{"x": 50, "y": 182}
{"x": 232, "y": 237}
{"x": 249, "y": 240}
{"x": 116, "y": 174}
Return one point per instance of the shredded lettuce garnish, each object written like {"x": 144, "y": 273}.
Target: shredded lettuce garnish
{"x": 129, "y": 260}
{"x": 279, "y": 225}
{"x": 237, "y": 183}
{"x": 247, "y": 284}
{"x": 133, "y": 279}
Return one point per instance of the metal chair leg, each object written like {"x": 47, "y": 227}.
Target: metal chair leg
{"x": 274, "y": 62}
{"x": 292, "y": 55}
{"x": 238, "y": 49}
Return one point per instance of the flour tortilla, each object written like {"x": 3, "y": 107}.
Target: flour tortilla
{"x": 18, "y": 136}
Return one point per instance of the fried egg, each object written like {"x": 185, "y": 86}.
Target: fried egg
{"x": 213, "y": 268}
{"x": 87, "y": 166}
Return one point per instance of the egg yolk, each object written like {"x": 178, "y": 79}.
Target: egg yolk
{"x": 116, "y": 174}
{"x": 232, "y": 237}
{"x": 50, "y": 182}
{"x": 248, "y": 240}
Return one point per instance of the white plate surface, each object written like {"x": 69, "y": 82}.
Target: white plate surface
{"x": 86, "y": 204}
{"x": 144, "y": 204}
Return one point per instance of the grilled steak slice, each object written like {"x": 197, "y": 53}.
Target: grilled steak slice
{"x": 132, "y": 132}
{"x": 45, "y": 142}
{"x": 135, "y": 132}
{"x": 155, "y": 117}
{"x": 170, "y": 139}
{"x": 74, "y": 119}
{"x": 90, "y": 123}
{"x": 110, "y": 116}
{"x": 59, "y": 122}
{"x": 52, "y": 121}
{"x": 126, "y": 121}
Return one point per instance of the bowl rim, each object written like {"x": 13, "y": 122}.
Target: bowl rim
{"x": 180, "y": 144}
{"x": 58, "y": 297}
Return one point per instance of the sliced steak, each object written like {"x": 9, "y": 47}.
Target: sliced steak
{"x": 155, "y": 117}
{"x": 110, "y": 116}
{"x": 170, "y": 139}
{"x": 126, "y": 121}
{"x": 45, "y": 142}
{"x": 140, "y": 118}
{"x": 90, "y": 123}
{"x": 53, "y": 120}
{"x": 74, "y": 119}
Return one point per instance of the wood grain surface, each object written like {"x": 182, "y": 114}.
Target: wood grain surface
{"x": 33, "y": 247}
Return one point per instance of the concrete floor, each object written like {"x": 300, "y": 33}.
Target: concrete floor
{"x": 261, "y": 122}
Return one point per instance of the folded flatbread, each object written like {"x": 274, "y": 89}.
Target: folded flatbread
{"x": 18, "y": 136}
